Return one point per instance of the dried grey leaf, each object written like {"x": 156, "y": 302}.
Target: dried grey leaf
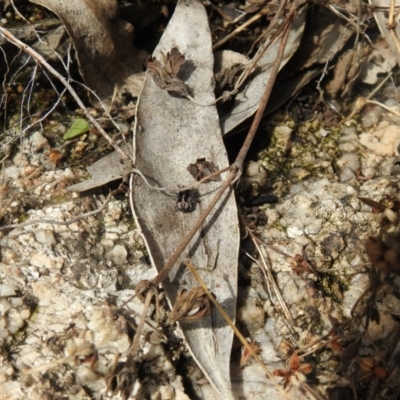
{"x": 165, "y": 76}
{"x": 180, "y": 131}
{"x": 108, "y": 169}
{"x": 202, "y": 168}
{"x": 248, "y": 99}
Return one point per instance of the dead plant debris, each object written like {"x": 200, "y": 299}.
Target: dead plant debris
{"x": 316, "y": 275}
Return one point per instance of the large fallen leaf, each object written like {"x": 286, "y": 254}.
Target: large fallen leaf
{"x": 323, "y": 38}
{"x": 108, "y": 62}
{"x": 172, "y": 133}
{"x": 248, "y": 99}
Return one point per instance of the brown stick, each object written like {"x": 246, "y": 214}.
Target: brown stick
{"x": 237, "y": 165}
{"x": 268, "y": 89}
{"x": 135, "y": 345}
{"x": 174, "y": 258}
{"x": 242, "y": 339}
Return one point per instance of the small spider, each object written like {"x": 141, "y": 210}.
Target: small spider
{"x": 186, "y": 200}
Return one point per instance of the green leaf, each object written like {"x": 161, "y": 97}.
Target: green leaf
{"x": 78, "y": 127}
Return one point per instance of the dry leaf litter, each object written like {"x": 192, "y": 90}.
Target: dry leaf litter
{"x": 65, "y": 295}
{"x": 62, "y": 285}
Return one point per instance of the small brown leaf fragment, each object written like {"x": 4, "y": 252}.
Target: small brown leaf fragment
{"x": 228, "y": 76}
{"x": 374, "y": 248}
{"x": 360, "y": 177}
{"x": 300, "y": 263}
{"x": 334, "y": 344}
{"x": 283, "y": 374}
{"x": 165, "y": 76}
{"x": 202, "y": 168}
{"x": 305, "y": 368}
{"x": 381, "y": 373}
{"x": 294, "y": 367}
{"x": 294, "y": 362}
{"x": 190, "y": 306}
{"x": 347, "y": 355}
{"x": 376, "y": 207}
{"x": 246, "y": 356}
{"x": 389, "y": 206}
{"x": 55, "y": 156}
{"x": 173, "y": 61}
{"x": 369, "y": 366}
{"x": 142, "y": 288}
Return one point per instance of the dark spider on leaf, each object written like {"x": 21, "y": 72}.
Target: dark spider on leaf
{"x": 186, "y": 200}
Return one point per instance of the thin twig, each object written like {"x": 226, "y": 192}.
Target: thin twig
{"x": 176, "y": 190}
{"x": 39, "y": 59}
{"x": 278, "y": 293}
{"x": 239, "y": 29}
{"x": 364, "y": 102}
{"x": 268, "y": 89}
{"x": 237, "y": 165}
{"x": 261, "y": 51}
{"x": 135, "y": 345}
{"x": 68, "y": 222}
{"x": 242, "y": 339}
{"x": 174, "y": 258}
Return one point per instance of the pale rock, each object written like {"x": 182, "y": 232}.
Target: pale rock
{"x": 322, "y": 132}
{"x": 45, "y": 236}
{"x": 3, "y": 324}
{"x": 16, "y": 301}
{"x": 25, "y": 314}
{"x": 348, "y": 163}
{"x": 118, "y": 255}
{"x": 14, "y": 321}
{"x": 382, "y": 141}
{"x": 7, "y": 290}
{"x": 294, "y": 231}
{"x": 11, "y": 390}
{"x": 12, "y": 172}
{"x": 167, "y": 392}
{"x": 8, "y": 255}
{"x": 68, "y": 173}
{"x": 272, "y": 216}
{"x": 380, "y": 331}
{"x": 357, "y": 285}
{"x": 107, "y": 243}
{"x": 111, "y": 236}
{"x": 283, "y": 133}
{"x": 13, "y": 244}
{"x": 38, "y": 142}
{"x": 293, "y": 292}
{"x": 371, "y": 116}
{"x": 5, "y": 305}
{"x": 251, "y": 315}
{"x": 42, "y": 260}
{"x": 118, "y": 229}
